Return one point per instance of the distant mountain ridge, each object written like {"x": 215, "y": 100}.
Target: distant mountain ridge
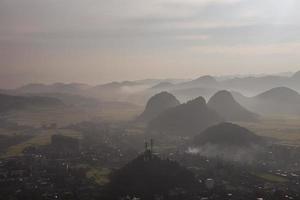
{"x": 296, "y": 76}
{"x": 158, "y": 104}
{"x": 9, "y": 102}
{"x": 162, "y": 85}
{"x": 71, "y": 88}
{"x": 227, "y": 107}
{"x": 280, "y": 100}
{"x": 279, "y": 94}
{"x": 139, "y": 91}
{"x": 207, "y": 85}
{"x": 186, "y": 119}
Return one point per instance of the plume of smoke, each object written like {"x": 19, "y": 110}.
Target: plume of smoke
{"x": 236, "y": 154}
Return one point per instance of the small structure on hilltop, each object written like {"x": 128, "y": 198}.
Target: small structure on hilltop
{"x": 148, "y": 153}
{"x": 148, "y": 177}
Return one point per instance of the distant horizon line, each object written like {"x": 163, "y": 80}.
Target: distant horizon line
{"x": 220, "y": 77}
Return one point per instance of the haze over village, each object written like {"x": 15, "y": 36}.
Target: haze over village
{"x": 149, "y": 100}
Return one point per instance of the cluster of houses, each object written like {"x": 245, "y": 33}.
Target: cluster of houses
{"x": 54, "y": 174}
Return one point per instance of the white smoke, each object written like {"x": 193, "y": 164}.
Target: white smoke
{"x": 236, "y": 154}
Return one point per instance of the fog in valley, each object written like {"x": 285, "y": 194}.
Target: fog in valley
{"x": 158, "y": 100}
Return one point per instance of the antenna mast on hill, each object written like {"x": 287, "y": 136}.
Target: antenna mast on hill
{"x": 148, "y": 152}
{"x": 146, "y": 146}
{"x": 151, "y": 145}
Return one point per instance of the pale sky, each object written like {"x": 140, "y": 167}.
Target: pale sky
{"x": 96, "y": 41}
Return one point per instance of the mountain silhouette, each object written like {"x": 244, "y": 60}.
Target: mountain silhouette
{"x": 279, "y": 94}
{"x": 207, "y": 80}
{"x": 296, "y": 75}
{"x": 146, "y": 177}
{"x": 186, "y": 119}
{"x": 280, "y": 100}
{"x": 192, "y": 93}
{"x": 228, "y": 108}
{"x": 157, "y": 104}
{"x": 228, "y": 135}
{"x": 203, "y": 81}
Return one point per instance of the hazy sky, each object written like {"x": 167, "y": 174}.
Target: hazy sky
{"x": 96, "y": 41}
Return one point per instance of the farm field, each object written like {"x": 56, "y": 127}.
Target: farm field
{"x": 283, "y": 130}
{"x": 64, "y": 116}
{"x": 40, "y": 139}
